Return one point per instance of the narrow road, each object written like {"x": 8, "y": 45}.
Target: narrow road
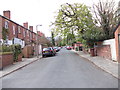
{"x": 65, "y": 70}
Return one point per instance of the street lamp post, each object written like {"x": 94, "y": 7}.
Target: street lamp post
{"x": 37, "y": 40}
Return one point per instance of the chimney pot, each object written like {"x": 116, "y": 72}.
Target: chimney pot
{"x": 31, "y": 28}
{"x": 25, "y": 25}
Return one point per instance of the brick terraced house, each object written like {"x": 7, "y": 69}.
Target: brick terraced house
{"x": 18, "y": 34}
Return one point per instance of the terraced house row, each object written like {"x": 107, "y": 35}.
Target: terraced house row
{"x": 23, "y": 35}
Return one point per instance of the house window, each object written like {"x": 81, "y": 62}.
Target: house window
{"x": 13, "y": 29}
{"x": 27, "y": 32}
{"x": 24, "y": 33}
{"x": 19, "y": 29}
{"x": 6, "y": 24}
{"x": 30, "y": 35}
{"x": 33, "y": 35}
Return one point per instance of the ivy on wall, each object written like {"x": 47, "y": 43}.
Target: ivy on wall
{"x": 4, "y": 33}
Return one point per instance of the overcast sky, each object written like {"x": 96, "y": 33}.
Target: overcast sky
{"x": 37, "y": 11}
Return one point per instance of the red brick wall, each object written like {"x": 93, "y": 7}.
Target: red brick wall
{"x": 10, "y": 29}
{"x": 24, "y": 33}
{"x": 7, "y": 14}
{"x": 104, "y": 51}
{"x": 0, "y": 27}
{"x": 117, "y": 44}
{"x": 11, "y": 36}
{"x": 6, "y": 59}
{"x": 20, "y": 57}
{"x": 20, "y": 34}
{"x": 27, "y": 51}
{"x": 34, "y": 37}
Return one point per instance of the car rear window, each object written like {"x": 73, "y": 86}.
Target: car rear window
{"x": 46, "y": 49}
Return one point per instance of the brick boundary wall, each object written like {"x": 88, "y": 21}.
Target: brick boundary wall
{"x": 117, "y": 43}
{"x": 104, "y": 51}
{"x": 27, "y": 51}
{"x": 6, "y": 59}
{"x": 0, "y": 27}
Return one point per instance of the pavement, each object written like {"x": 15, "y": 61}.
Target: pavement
{"x": 107, "y": 65}
{"x": 18, "y": 65}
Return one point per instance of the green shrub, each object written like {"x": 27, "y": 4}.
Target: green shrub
{"x": 5, "y": 48}
{"x": 76, "y": 48}
{"x": 16, "y": 49}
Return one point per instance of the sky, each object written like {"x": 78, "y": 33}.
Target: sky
{"x": 37, "y": 12}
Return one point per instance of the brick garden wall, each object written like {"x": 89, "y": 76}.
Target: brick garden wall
{"x": 104, "y": 51}
{"x": 0, "y": 27}
{"x": 117, "y": 44}
{"x": 27, "y": 51}
{"x": 6, "y": 59}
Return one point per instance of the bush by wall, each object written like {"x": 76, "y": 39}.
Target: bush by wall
{"x": 16, "y": 49}
{"x": 5, "y": 48}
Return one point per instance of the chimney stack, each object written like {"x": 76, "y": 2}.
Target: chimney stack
{"x": 7, "y": 14}
{"x": 25, "y": 25}
{"x": 31, "y": 28}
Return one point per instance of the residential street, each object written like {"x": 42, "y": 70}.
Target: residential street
{"x": 65, "y": 70}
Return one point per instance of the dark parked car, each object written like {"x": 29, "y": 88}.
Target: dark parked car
{"x": 49, "y": 52}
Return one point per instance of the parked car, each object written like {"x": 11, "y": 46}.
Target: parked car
{"x": 69, "y": 47}
{"x": 49, "y": 52}
{"x": 56, "y": 48}
{"x": 60, "y": 48}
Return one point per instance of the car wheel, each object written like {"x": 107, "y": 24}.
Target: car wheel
{"x": 43, "y": 56}
{"x": 52, "y": 54}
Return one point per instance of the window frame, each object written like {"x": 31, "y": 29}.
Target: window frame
{"x": 19, "y": 29}
{"x": 6, "y": 25}
{"x": 13, "y": 28}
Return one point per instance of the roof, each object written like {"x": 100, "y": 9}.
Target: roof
{"x": 15, "y": 23}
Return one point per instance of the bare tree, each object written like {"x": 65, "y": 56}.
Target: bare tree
{"x": 105, "y": 16}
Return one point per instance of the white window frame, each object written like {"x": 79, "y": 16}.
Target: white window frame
{"x": 19, "y": 29}
{"x": 13, "y": 29}
{"x": 24, "y": 33}
{"x": 6, "y": 25}
{"x": 28, "y": 33}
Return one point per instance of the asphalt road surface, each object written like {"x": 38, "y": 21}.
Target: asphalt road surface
{"x": 65, "y": 70}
